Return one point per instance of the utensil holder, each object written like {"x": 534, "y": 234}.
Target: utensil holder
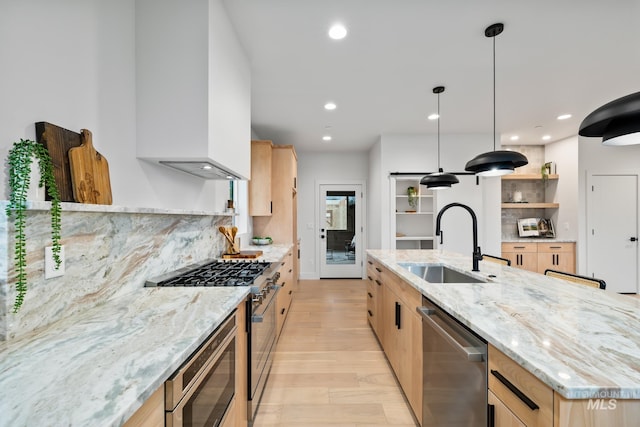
{"x": 233, "y": 248}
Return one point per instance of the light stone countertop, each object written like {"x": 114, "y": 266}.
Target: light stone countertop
{"x": 96, "y": 369}
{"x": 537, "y": 240}
{"x": 583, "y": 342}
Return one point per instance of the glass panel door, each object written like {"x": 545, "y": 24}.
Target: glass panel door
{"x": 340, "y": 231}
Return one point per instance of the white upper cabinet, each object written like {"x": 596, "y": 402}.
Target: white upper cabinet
{"x": 193, "y": 84}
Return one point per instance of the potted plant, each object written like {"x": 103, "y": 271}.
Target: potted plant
{"x": 19, "y": 161}
{"x": 545, "y": 170}
{"x": 412, "y": 197}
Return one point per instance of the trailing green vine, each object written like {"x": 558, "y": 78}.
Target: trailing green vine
{"x": 19, "y": 162}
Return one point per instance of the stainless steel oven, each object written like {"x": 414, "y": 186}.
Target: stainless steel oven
{"x": 262, "y": 338}
{"x": 200, "y": 393}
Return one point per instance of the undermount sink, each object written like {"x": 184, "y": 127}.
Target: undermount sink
{"x": 434, "y": 273}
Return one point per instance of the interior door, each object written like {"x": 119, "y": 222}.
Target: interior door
{"x": 612, "y": 231}
{"x": 340, "y": 227}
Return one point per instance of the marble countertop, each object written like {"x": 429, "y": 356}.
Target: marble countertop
{"x": 96, "y": 369}
{"x": 583, "y": 342}
{"x": 270, "y": 253}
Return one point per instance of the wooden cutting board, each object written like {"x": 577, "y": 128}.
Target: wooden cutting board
{"x": 89, "y": 173}
{"x": 243, "y": 254}
{"x": 58, "y": 141}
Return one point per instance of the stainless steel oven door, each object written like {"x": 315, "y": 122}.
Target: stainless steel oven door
{"x": 262, "y": 339}
{"x": 209, "y": 393}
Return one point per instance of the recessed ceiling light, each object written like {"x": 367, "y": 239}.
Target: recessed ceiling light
{"x": 326, "y": 138}
{"x": 330, "y": 106}
{"x": 337, "y": 32}
{"x": 546, "y": 137}
{"x": 206, "y": 167}
{"x": 433, "y": 116}
{"x": 564, "y": 116}
{"x": 514, "y": 138}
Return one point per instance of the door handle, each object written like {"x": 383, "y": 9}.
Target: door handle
{"x": 633, "y": 239}
{"x": 322, "y": 236}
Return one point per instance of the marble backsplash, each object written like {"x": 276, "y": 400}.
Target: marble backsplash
{"x": 108, "y": 253}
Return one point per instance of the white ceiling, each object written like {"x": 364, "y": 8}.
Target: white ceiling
{"x": 554, "y": 57}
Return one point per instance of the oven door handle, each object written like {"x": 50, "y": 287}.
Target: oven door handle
{"x": 259, "y": 316}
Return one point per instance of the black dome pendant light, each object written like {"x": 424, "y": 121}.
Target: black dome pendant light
{"x": 439, "y": 180}
{"x": 617, "y": 122}
{"x": 500, "y": 162}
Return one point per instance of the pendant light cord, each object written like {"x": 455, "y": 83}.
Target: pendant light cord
{"x": 494, "y": 93}
{"x": 438, "y": 132}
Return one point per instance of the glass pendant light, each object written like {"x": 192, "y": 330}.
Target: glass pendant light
{"x": 496, "y": 162}
{"x": 617, "y": 122}
{"x": 439, "y": 180}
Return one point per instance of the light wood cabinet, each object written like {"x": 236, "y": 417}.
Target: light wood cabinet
{"x": 556, "y": 256}
{"x": 538, "y": 257}
{"x": 151, "y": 413}
{"x": 285, "y": 295}
{"x": 374, "y": 298}
{"x": 524, "y": 395}
{"x": 260, "y": 183}
{"x": 522, "y": 255}
{"x": 400, "y": 333}
{"x": 242, "y": 393}
{"x": 502, "y": 416}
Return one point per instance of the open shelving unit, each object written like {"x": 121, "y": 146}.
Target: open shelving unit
{"x": 412, "y": 228}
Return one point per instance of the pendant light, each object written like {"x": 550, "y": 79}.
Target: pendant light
{"x": 617, "y": 122}
{"x": 500, "y": 162}
{"x": 439, "y": 180}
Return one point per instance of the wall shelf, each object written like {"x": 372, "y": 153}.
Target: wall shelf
{"x": 415, "y": 229}
{"x": 530, "y": 205}
{"x": 522, "y": 176}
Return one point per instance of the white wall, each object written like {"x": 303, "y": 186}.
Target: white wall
{"x": 596, "y": 158}
{"x": 376, "y": 181}
{"x": 72, "y": 64}
{"x": 312, "y": 168}
{"x": 564, "y": 154}
{"x": 418, "y": 153}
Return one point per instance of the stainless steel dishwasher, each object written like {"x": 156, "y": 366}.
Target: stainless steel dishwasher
{"x": 454, "y": 371}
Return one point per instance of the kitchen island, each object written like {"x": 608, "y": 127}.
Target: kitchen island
{"x": 581, "y": 342}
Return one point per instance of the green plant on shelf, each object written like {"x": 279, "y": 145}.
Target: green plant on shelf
{"x": 19, "y": 161}
{"x": 412, "y": 197}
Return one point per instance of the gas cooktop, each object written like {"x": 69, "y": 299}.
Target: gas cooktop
{"x": 213, "y": 273}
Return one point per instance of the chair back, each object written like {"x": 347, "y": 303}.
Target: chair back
{"x": 496, "y": 259}
{"x": 575, "y": 278}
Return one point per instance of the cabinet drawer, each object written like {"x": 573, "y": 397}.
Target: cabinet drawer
{"x": 526, "y": 396}
{"x": 519, "y": 247}
{"x": 555, "y": 247}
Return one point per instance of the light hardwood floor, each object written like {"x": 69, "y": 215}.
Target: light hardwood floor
{"x": 329, "y": 369}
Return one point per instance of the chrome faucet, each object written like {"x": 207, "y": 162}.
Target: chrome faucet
{"x": 477, "y": 255}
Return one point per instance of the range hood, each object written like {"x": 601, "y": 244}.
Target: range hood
{"x": 206, "y": 169}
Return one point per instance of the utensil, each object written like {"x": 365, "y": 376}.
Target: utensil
{"x": 89, "y": 173}
{"x": 58, "y": 141}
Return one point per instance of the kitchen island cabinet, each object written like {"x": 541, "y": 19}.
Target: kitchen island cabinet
{"x": 538, "y": 341}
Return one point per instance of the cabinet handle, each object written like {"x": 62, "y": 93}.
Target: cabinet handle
{"x": 290, "y": 292}
{"x": 378, "y": 282}
{"x": 370, "y": 278}
{"x": 378, "y": 270}
{"x": 555, "y": 247}
{"x": 518, "y": 247}
{"x": 369, "y": 293}
{"x": 370, "y": 313}
{"x": 515, "y": 390}
{"x": 282, "y": 311}
{"x": 369, "y": 262}
{"x": 290, "y": 270}
{"x": 271, "y": 207}
{"x": 491, "y": 413}
{"x": 283, "y": 283}
{"x": 398, "y": 316}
